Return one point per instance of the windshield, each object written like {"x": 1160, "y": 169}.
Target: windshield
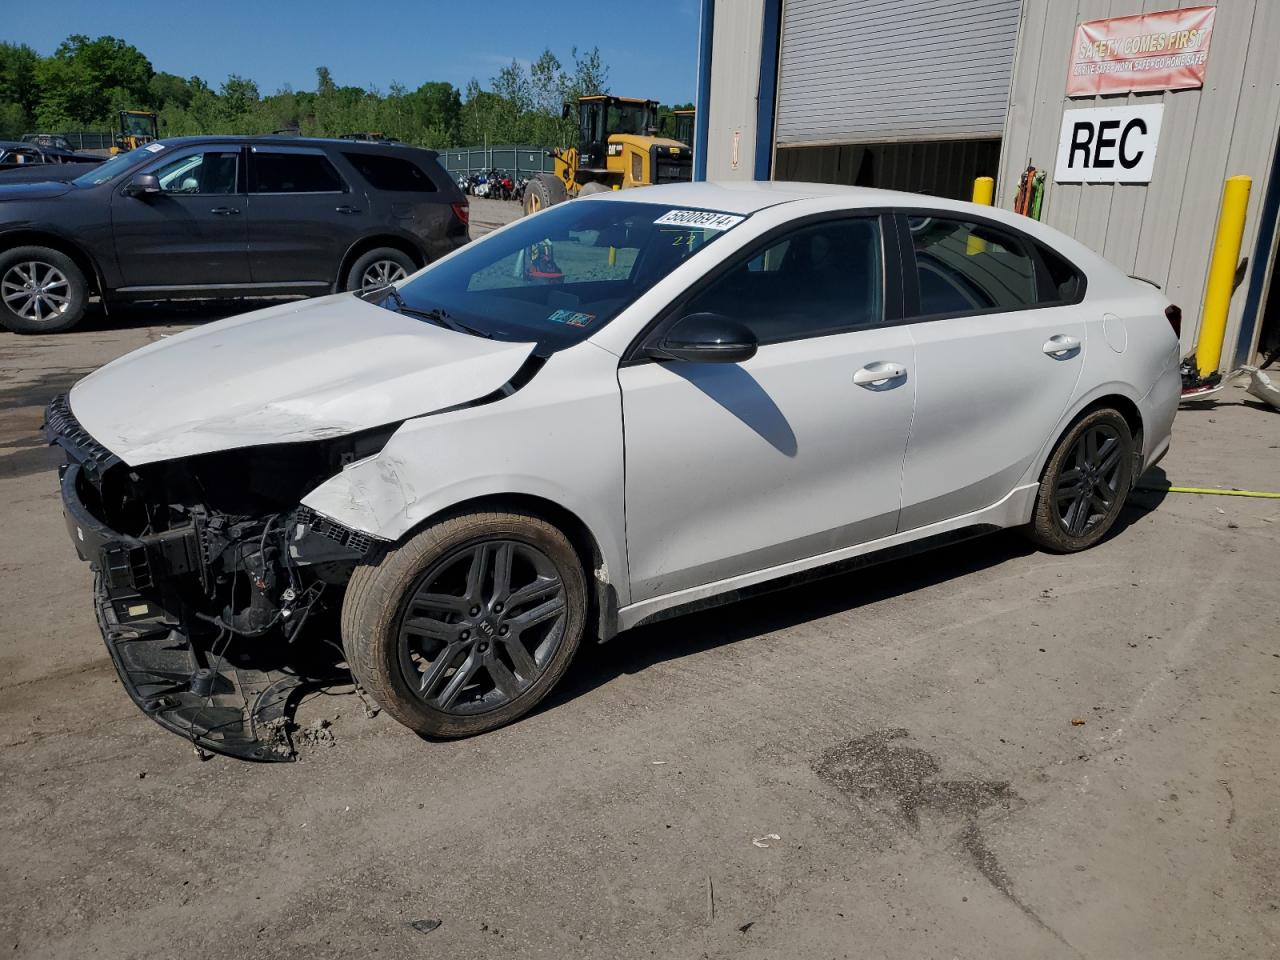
{"x": 112, "y": 168}
{"x": 558, "y": 277}
{"x": 630, "y": 118}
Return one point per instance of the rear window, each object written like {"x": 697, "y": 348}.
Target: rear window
{"x": 292, "y": 173}
{"x": 391, "y": 173}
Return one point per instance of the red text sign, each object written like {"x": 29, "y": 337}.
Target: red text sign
{"x": 1150, "y": 51}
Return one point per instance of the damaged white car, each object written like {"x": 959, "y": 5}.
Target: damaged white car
{"x": 619, "y": 408}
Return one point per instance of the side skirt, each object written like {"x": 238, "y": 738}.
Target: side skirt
{"x": 1011, "y": 511}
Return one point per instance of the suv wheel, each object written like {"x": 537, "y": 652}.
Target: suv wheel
{"x": 466, "y": 626}
{"x": 379, "y": 267}
{"x": 1085, "y": 483}
{"x": 41, "y": 291}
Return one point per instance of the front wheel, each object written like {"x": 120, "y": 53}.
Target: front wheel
{"x": 543, "y": 191}
{"x": 1085, "y": 483}
{"x": 466, "y": 626}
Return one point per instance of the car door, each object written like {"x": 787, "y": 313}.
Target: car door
{"x": 733, "y": 468}
{"x": 192, "y": 233}
{"x": 303, "y": 216}
{"x": 995, "y": 370}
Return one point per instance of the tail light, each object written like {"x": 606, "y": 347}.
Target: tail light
{"x": 462, "y": 211}
{"x": 1174, "y": 314}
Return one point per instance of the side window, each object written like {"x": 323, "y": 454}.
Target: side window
{"x": 213, "y": 172}
{"x": 391, "y": 173}
{"x": 292, "y": 173}
{"x": 813, "y": 281}
{"x": 966, "y": 267}
{"x": 1064, "y": 279}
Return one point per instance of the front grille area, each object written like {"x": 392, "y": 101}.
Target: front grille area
{"x": 62, "y": 428}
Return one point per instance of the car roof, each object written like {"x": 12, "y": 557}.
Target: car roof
{"x": 286, "y": 140}
{"x": 748, "y": 196}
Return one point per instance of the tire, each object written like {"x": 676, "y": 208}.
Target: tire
{"x": 386, "y": 263}
{"x": 595, "y": 186}
{"x": 1085, "y": 483}
{"x": 543, "y": 191}
{"x": 412, "y": 623}
{"x": 61, "y": 291}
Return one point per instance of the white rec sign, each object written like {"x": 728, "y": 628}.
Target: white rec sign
{"x": 1108, "y": 144}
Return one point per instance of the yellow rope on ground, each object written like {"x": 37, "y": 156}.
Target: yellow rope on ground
{"x": 1209, "y": 490}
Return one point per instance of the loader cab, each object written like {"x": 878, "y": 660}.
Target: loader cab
{"x": 684, "y": 126}
{"x": 601, "y": 117}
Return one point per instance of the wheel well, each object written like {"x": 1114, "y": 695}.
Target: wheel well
{"x": 603, "y": 609}
{"x": 34, "y": 238}
{"x": 1122, "y": 405}
{"x": 361, "y": 247}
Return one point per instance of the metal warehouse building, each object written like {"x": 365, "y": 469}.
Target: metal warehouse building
{"x": 927, "y": 95}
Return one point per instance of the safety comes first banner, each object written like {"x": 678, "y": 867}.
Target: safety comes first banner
{"x": 1150, "y": 51}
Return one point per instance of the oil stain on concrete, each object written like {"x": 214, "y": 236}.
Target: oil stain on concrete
{"x": 904, "y": 781}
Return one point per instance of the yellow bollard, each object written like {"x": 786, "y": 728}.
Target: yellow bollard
{"x": 984, "y": 188}
{"x": 1222, "y": 274}
{"x": 613, "y": 256}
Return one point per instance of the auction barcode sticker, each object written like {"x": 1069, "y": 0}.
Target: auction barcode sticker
{"x": 706, "y": 219}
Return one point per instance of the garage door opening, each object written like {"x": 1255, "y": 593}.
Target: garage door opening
{"x": 940, "y": 168}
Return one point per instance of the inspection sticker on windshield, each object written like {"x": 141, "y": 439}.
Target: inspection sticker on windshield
{"x": 155, "y": 147}
{"x": 706, "y": 219}
{"x": 572, "y": 319}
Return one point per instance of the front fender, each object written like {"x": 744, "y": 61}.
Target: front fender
{"x": 558, "y": 438}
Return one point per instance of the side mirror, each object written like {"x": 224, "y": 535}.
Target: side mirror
{"x": 706, "y": 338}
{"x": 142, "y": 185}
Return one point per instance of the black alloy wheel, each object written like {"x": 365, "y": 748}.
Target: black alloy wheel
{"x": 481, "y": 626}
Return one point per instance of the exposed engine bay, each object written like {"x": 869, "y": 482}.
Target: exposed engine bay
{"x": 216, "y": 591}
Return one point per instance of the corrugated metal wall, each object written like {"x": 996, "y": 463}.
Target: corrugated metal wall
{"x": 880, "y": 70}
{"x": 735, "y": 77}
{"x": 1164, "y": 230}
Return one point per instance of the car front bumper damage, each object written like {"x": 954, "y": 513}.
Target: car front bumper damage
{"x": 223, "y": 676}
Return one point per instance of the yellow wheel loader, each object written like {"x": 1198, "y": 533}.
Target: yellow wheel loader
{"x": 136, "y": 128}
{"x": 617, "y": 149}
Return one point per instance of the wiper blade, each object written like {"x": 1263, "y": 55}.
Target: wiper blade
{"x": 434, "y": 315}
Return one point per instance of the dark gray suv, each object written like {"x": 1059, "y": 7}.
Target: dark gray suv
{"x": 201, "y": 217}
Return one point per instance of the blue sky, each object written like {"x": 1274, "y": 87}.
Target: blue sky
{"x": 651, "y": 48}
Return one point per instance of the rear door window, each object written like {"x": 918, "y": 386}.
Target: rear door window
{"x": 271, "y": 172}
{"x": 397, "y": 174}
{"x": 963, "y": 267}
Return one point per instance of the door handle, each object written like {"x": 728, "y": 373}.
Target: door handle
{"x": 1060, "y": 345}
{"x": 346, "y": 208}
{"x": 226, "y": 211}
{"x": 880, "y": 374}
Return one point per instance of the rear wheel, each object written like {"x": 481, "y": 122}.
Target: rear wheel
{"x": 595, "y": 186}
{"x": 469, "y": 624}
{"x": 543, "y": 191}
{"x": 41, "y": 291}
{"x": 379, "y": 267}
{"x": 1085, "y": 483}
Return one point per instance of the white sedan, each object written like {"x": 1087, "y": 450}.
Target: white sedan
{"x": 614, "y": 410}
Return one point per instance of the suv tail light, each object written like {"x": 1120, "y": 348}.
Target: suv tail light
{"x": 462, "y": 211}
{"x": 1174, "y": 313}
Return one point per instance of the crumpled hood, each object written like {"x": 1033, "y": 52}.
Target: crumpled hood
{"x": 295, "y": 372}
{"x": 24, "y": 190}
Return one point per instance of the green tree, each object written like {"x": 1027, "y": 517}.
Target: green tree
{"x": 85, "y": 80}
{"x": 19, "y": 91}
